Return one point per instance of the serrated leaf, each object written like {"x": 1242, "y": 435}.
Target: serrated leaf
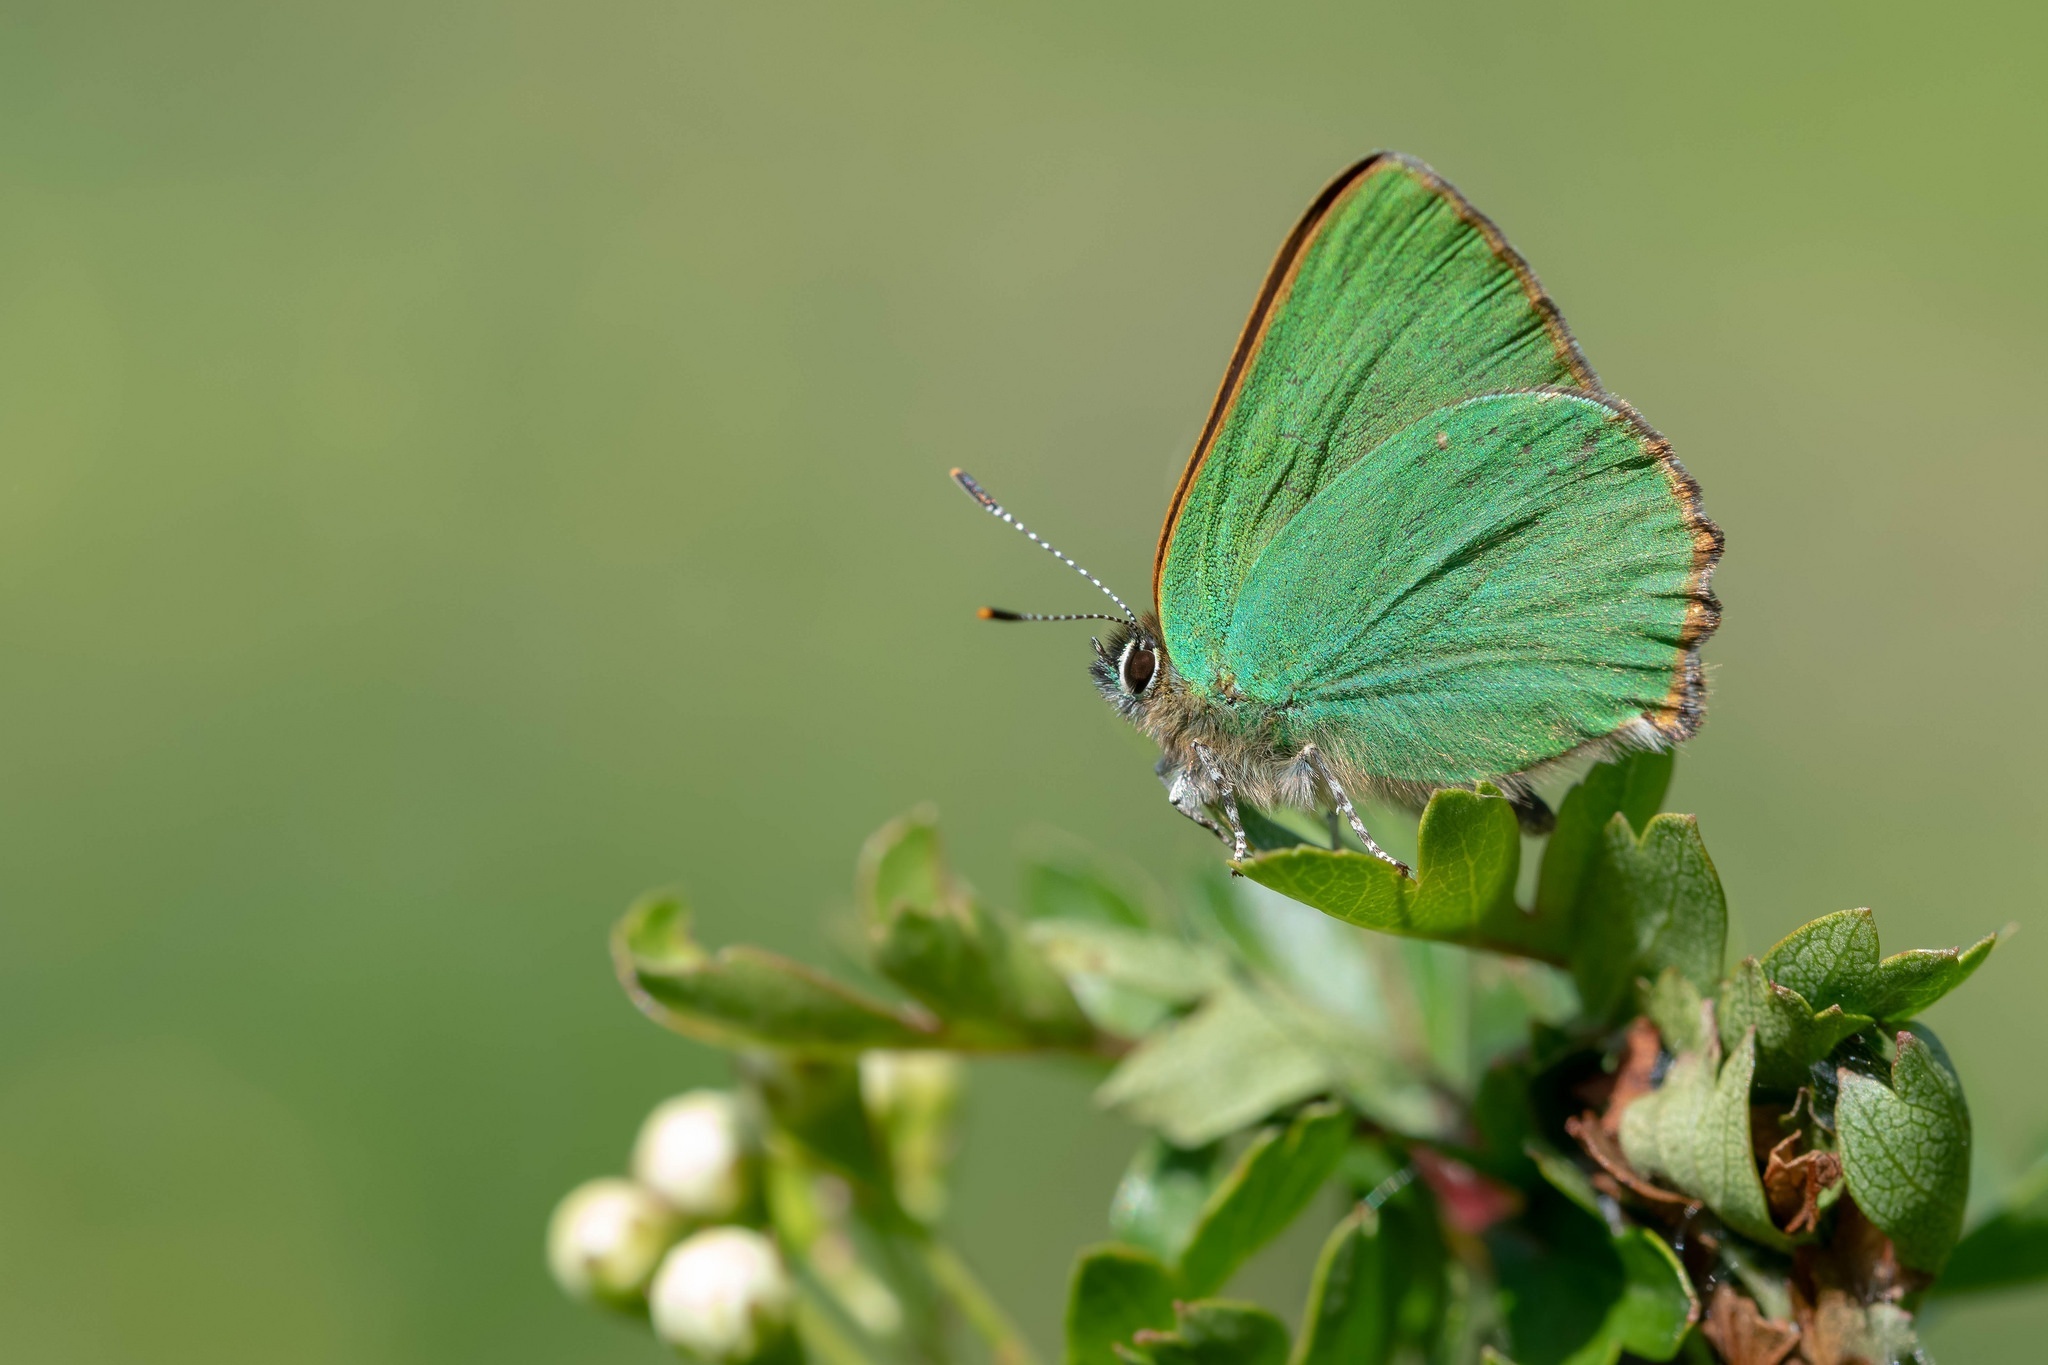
{"x": 1632, "y": 786}
{"x": 1649, "y": 903}
{"x": 1906, "y": 1150}
{"x": 1469, "y": 849}
{"x": 1214, "y": 1332}
{"x": 974, "y": 967}
{"x": 1694, "y": 1132}
{"x": 1354, "y": 1295}
{"x": 1835, "y": 961}
{"x": 2010, "y": 1247}
{"x": 1673, "y": 1005}
{"x": 1114, "y": 1293}
{"x": 741, "y": 996}
{"x": 1790, "y": 1036}
{"x": 1272, "y": 1182}
{"x": 1226, "y": 1065}
{"x": 1162, "y": 1195}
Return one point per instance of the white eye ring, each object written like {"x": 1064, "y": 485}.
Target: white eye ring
{"x": 1137, "y": 687}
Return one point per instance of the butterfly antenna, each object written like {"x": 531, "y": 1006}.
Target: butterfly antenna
{"x": 996, "y": 509}
{"x": 998, "y": 614}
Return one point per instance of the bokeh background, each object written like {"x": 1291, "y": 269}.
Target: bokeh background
{"x": 462, "y": 463}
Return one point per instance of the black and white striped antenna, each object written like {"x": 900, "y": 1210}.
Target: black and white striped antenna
{"x": 996, "y": 509}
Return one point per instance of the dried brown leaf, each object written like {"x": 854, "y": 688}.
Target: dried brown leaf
{"x": 1634, "y": 1077}
{"x": 1593, "y": 1134}
{"x": 1795, "y": 1183}
{"x": 1739, "y": 1331}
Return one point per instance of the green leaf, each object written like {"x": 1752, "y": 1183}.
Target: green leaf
{"x": 976, "y": 969}
{"x": 1127, "y": 980}
{"x": 1115, "y": 1293}
{"x": 1559, "y": 1280}
{"x": 902, "y": 861}
{"x": 972, "y": 965}
{"x": 1834, "y": 961}
{"x": 741, "y": 996}
{"x": 1469, "y": 849}
{"x": 1073, "y": 884}
{"x": 1161, "y": 1196}
{"x": 1657, "y": 1305}
{"x": 1790, "y": 1036}
{"x": 1564, "y": 1176}
{"x": 1673, "y": 1004}
{"x": 2010, "y": 1247}
{"x": 1694, "y": 1132}
{"x": 1650, "y": 903}
{"x": 1906, "y": 1150}
{"x": 817, "y": 1102}
{"x": 1354, "y": 1296}
{"x": 1214, "y": 1332}
{"x": 1272, "y": 1182}
{"x": 1633, "y": 786}
{"x": 1267, "y": 835}
{"x": 1224, "y": 1066}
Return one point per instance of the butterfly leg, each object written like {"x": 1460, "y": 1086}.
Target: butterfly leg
{"x": 1227, "y": 795}
{"x": 1182, "y": 795}
{"x": 1314, "y": 758}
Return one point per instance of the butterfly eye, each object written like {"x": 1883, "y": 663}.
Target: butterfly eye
{"x": 1138, "y": 667}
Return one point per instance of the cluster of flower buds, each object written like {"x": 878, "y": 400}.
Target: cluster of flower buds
{"x": 673, "y": 1240}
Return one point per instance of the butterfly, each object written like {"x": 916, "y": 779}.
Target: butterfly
{"x": 1418, "y": 544}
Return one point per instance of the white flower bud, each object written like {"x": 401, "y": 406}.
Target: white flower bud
{"x": 696, "y": 1151}
{"x": 606, "y": 1238}
{"x": 724, "y": 1296}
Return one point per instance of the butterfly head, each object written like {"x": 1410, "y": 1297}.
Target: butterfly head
{"x": 1131, "y": 667}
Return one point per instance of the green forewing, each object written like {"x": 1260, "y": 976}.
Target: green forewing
{"x": 1498, "y": 583}
{"x": 1395, "y": 297}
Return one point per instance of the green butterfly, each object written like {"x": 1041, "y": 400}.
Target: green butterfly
{"x": 1418, "y": 545}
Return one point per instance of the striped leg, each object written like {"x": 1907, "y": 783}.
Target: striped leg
{"x": 1229, "y": 801}
{"x": 1314, "y": 758}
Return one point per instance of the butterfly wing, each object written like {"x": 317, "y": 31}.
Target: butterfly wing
{"x": 1391, "y": 298}
{"x": 1491, "y": 587}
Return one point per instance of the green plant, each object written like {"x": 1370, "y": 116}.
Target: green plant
{"x": 1556, "y": 1129}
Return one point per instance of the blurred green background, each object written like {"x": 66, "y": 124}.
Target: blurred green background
{"x": 463, "y": 463}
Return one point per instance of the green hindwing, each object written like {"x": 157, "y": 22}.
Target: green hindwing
{"x": 1490, "y": 588}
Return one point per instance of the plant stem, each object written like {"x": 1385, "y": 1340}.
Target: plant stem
{"x": 824, "y": 1324}
{"x": 977, "y": 1305}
